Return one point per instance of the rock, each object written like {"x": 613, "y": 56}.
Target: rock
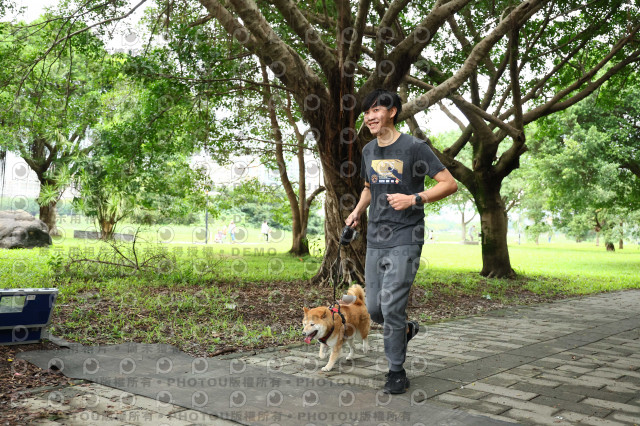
{"x": 18, "y": 229}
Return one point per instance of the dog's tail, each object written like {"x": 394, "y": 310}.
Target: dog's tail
{"x": 357, "y": 291}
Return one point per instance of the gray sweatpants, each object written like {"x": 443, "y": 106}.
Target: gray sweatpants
{"x": 389, "y": 274}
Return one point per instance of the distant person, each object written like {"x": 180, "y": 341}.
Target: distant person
{"x": 265, "y": 230}
{"x": 232, "y": 232}
{"x": 472, "y": 232}
{"x": 220, "y": 236}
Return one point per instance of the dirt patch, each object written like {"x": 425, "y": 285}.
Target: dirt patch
{"x": 18, "y": 378}
{"x": 436, "y": 305}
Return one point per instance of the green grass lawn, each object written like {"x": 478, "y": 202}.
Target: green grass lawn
{"x": 206, "y": 297}
{"x": 569, "y": 267}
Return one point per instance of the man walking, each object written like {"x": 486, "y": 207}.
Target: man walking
{"x": 265, "y": 230}
{"x": 394, "y": 166}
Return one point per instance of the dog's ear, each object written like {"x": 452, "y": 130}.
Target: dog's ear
{"x": 324, "y": 313}
{"x": 305, "y": 310}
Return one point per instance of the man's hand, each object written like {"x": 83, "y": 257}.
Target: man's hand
{"x": 400, "y": 201}
{"x": 353, "y": 219}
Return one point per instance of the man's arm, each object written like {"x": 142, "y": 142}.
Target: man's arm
{"x": 446, "y": 186}
{"x": 365, "y": 200}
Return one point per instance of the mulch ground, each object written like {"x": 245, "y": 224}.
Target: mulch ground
{"x": 18, "y": 378}
{"x": 284, "y": 310}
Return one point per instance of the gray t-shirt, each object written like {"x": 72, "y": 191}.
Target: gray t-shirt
{"x": 397, "y": 168}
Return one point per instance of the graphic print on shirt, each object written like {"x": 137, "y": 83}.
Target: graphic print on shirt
{"x": 386, "y": 171}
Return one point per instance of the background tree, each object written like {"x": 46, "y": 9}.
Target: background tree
{"x": 256, "y": 202}
{"x": 299, "y": 203}
{"x": 461, "y": 200}
{"x": 47, "y": 106}
{"x": 568, "y": 50}
{"x": 142, "y": 148}
{"x": 580, "y": 175}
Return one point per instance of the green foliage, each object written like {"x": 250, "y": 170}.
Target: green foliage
{"x": 141, "y": 153}
{"x": 580, "y": 174}
{"x": 254, "y": 201}
{"x": 51, "y": 98}
{"x": 48, "y": 104}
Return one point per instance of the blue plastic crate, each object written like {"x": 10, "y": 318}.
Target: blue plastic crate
{"x": 24, "y": 313}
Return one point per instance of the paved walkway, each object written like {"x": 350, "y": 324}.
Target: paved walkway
{"x": 570, "y": 362}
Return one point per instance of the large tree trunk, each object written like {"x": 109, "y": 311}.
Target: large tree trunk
{"x": 493, "y": 226}
{"x": 300, "y": 245}
{"x": 48, "y": 215}
{"x": 340, "y": 148}
{"x": 340, "y": 201}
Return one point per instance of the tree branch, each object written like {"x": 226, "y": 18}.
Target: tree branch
{"x": 556, "y": 105}
{"x": 302, "y": 188}
{"x": 277, "y": 136}
{"x": 299, "y": 24}
{"x": 632, "y": 166}
{"x": 69, "y": 35}
{"x": 449, "y": 162}
{"x": 313, "y": 195}
{"x": 201, "y": 21}
{"x": 409, "y": 49}
{"x": 477, "y": 54}
{"x": 355, "y": 50}
{"x": 469, "y": 108}
{"x": 452, "y": 117}
{"x": 515, "y": 82}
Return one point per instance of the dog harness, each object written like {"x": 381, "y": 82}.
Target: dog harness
{"x": 334, "y": 308}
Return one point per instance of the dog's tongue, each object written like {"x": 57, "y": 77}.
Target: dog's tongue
{"x": 308, "y": 339}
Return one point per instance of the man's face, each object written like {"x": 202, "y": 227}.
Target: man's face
{"x": 378, "y": 117}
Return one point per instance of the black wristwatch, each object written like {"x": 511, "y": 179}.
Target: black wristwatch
{"x": 419, "y": 201}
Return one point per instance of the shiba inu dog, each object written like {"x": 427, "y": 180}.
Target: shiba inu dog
{"x": 333, "y": 326}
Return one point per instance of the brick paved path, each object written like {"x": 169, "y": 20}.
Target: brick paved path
{"x": 574, "y": 361}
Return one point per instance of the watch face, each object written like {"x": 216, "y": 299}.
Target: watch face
{"x": 418, "y": 199}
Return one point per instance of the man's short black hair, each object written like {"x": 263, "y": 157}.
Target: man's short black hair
{"x": 383, "y": 98}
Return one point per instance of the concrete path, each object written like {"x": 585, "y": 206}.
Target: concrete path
{"x": 570, "y": 362}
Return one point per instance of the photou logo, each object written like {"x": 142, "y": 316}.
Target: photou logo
{"x": 237, "y": 399}
{"x": 199, "y": 399}
{"x": 274, "y": 398}
{"x": 310, "y": 398}
{"x": 164, "y": 365}
{"x": 127, "y": 366}
{"x": 90, "y": 366}
{"x": 199, "y": 366}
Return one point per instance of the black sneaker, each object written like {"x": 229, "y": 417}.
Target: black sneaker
{"x": 397, "y": 382}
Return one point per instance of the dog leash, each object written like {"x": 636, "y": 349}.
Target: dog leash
{"x": 347, "y": 235}
{"x": 336, "y": 271}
